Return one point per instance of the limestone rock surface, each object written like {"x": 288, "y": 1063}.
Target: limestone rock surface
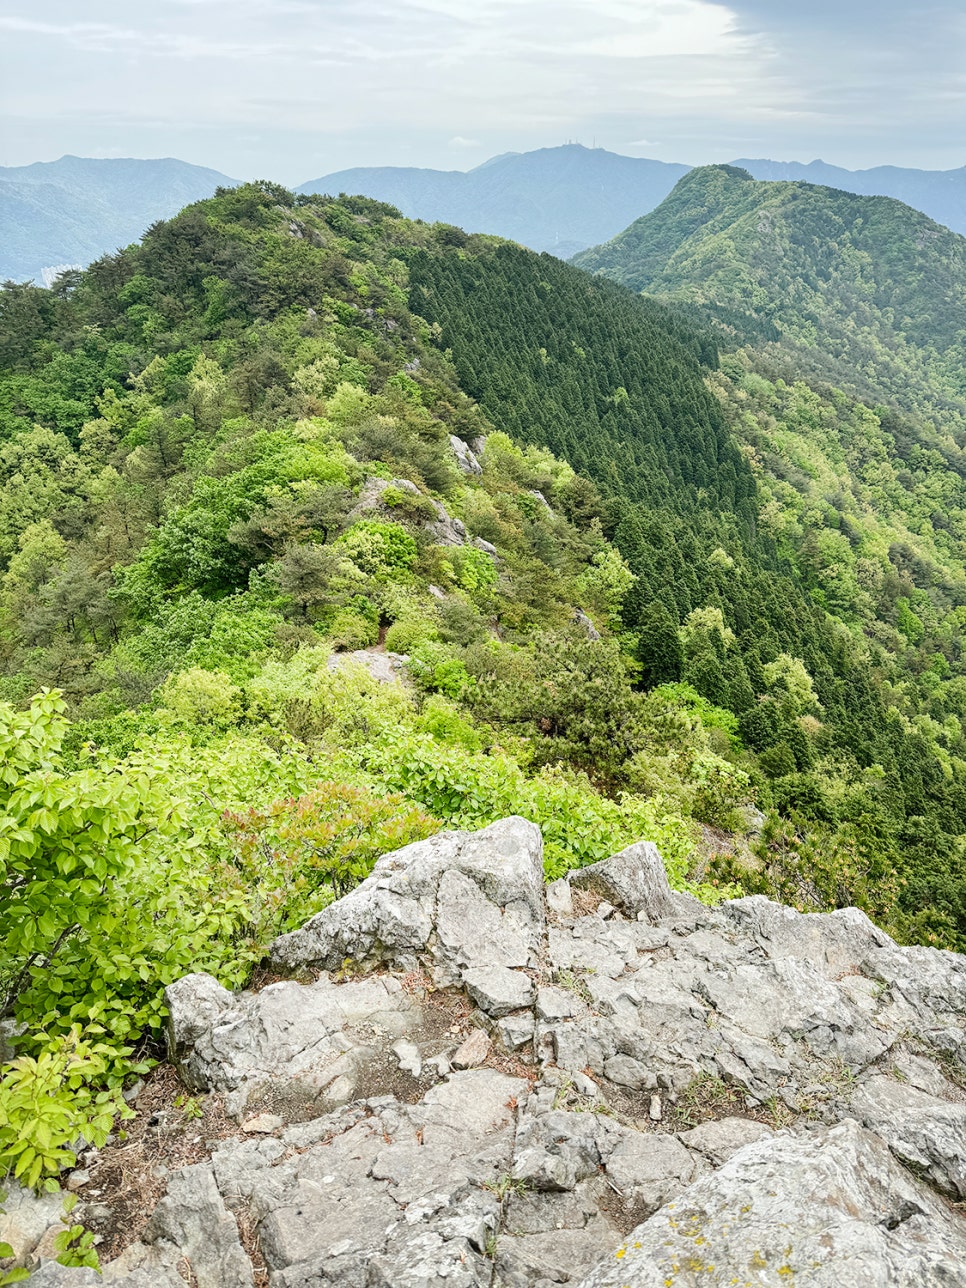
{"x": 467, "y": 1085}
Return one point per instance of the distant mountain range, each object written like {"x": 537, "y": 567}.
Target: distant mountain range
{"x": 561, "y": 200}
{"x": 565, "y": 199}
{"x": 554, "y": 199}
{"x": 74, "y": 210}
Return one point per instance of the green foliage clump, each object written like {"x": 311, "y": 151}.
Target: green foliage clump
{"x": 48, "y": 1103}
{"x": 383, "y": 550}
{"x": 302, "y": 853}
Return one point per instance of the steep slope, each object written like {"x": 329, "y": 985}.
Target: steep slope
{"x": 554, "y": 199}
{"x": 73, "y": 210}
{"x": 863, "y": 290}
{"x": 730, "y": 564}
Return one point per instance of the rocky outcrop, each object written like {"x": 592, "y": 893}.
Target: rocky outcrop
{"x": 465, "y": 456}
{"x": 385, "y": 668}
{"x": 474, "y": 1080}
{"x": 444, "y": 529}
{"x": 828, "y": 1208}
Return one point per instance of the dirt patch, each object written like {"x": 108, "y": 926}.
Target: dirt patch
{"x": 585, "y": 902}
{"x": 129, "y": 1177}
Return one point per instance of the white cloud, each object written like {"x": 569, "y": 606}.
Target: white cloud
{"x": 295, "y": 87}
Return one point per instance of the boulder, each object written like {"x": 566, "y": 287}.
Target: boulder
{"x": 497, "y": 990}
{"x": 193, "y": 1220}
{"x": 927, "y": 1134}
{"x": 586, "y": 625}
{"x": 634, "y": 880}
{"x": 457, "y": 900}
{"x": 196, "y": 1004}
{"x": 385, "y": 668}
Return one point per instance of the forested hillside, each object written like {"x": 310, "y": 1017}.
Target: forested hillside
{"x": 792, "y": 571}
{"x": 863, "y": 291}
{"x": 285, "y": 442}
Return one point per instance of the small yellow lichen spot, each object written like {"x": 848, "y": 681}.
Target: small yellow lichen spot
{"x": 786, "y": 1270}
{"x": 637, "y": 1245}
{"x": 620, "y": 1253}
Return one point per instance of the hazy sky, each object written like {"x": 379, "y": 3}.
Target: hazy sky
{"x": 292, "y": 89}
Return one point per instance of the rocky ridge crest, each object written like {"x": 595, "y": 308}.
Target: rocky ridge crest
{"x": 476, "y": 1080}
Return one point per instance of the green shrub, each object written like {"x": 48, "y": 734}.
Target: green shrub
{"x": 435, "y": 668}
{"x": 197, "y": 697}
{"x": 407, "y": 633}
{"x": 383, "y": 550}
{"x": 301, "y": 853}
{"x": 47, "y": 1105}
{"x": 351, "y": 630}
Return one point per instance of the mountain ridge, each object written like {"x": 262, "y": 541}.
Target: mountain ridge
{"x": 868, "y": 281}
{"x": 563, "y": 199}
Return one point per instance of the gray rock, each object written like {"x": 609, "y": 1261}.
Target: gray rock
{"x": 555, "y": 1004}
{"x": 821, "y": 1210}
{"x": 560, "y": 898}
{"x": 384, "y": 668}
{"x": 558, "y": 1256}
{"x": 649, "y": 1168}
{"x": 446, "y": 530}
{"x": 465, "y": 457}
{"x": 300, "y": 1050}
{"x": 370, "y": 497}
{"x": 635, "y": 880}
{"x": 628, "y": 1072}
{"x": 394, "y": 1195}
{"x": 586, "y": 625}
{"x": 515, "y": 1031}
{"x": 26, "y": 1217}
{"x": 52, "y": 1275}
{"x": 192, "y": 1217}
{"x": 196, "y": 1003}
{"x": 498, "y": 990}
{"x": 407, "y": 1053}
{"x": 719, "y": 1139}
{"x": 927, "y": 1134}
{"x": 154, "y": 1274}
{"x": 425, "y": 892}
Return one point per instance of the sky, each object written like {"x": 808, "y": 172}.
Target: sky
{"x": 294, "y": 89}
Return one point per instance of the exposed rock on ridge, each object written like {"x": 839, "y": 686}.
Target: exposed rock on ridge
{"x": 664, "y": 1093}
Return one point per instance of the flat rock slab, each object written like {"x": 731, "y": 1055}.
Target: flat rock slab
{"x": 822, "y": 1210}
